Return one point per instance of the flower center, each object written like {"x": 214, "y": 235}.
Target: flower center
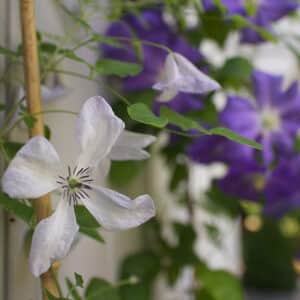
{"x": 76, "y": 184}
{"x": 270, "y": 120}
{"x": 259, "y": 182}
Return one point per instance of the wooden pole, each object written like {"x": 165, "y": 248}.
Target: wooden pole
{"x": 33, "y": 97}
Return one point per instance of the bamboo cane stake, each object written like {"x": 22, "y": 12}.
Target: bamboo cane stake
{"x": 33, "y": 97}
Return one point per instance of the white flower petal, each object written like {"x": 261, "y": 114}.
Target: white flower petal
{"x": 129, "y": 146}
{"x": 98, "y": 129}
{"x": 33, "y": 172}
{"x": 180, "y": 75}
{"x": 115, "y": 211}
{"x": 53, "y": 238}
{"x": 169, "y": 75}
{"x": 104, "y": 167}
{"x": 192, "y": 79}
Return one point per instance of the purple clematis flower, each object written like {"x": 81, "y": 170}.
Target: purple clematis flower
{"x": 245, "y": 180}
{"x": 278, "y": 190}
{"x": 267, "y": 12}
{"x": 283, "y": 188}
{"x": 150, "y": 26}
{"x": 274, "y": 118}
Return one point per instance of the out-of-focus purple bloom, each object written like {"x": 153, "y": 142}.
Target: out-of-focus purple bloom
{"x": 209, "y": 149}
{"x": 274, "y": 118}
{"x": 283, "y": 188}
{"x": 279, "y": 189}
{"x": 245, "y": 180}
{"x": 148, "y": 26}
{"x": 267, "y": 11}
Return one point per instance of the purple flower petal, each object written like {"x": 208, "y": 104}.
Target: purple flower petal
{"x": 245, "y": 180}
{"x": 240, "y": 116}
{"x": 267, "y": 88}
{"x": 283, "y": 188}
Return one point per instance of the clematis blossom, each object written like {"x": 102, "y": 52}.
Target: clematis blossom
{"x": 273, "y": 119}
{"x": 37, "y": 170}
{"x": 180, "y": 75}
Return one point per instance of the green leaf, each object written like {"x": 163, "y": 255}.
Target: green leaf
{"x": 117, "y": 67}
{"x": 78, "y": 280}
{"x": 235, "y": 137}
{"x": 145, "y": 266}
{"x": 220, "y": 285}
{"x": 21, "y": 210}
{"x": 11, "y": 148}
{"x": 204, "y": 294}
{"x": 236, "y": 72}
{"x": 140, "y": 112}
{"x": 47, "y": 47}
{"x": 85, "y": 218}
{"x": 179, "y": 120}
{"x": 100, "y": 289}
{"x": 92, "y": 233}
{"x": 214, "y": 27}
{"x": 72, "y": 290}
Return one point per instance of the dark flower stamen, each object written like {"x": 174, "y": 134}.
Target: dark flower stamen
{"x": 75, "y": 184}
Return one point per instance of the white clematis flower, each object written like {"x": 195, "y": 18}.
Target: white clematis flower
{"x": 37, "y": 170}
{"x": 180, "y": 75}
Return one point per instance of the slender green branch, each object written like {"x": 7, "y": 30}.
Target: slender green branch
{"x": 36, "y": 114}
{"x": 145, "y": 42}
